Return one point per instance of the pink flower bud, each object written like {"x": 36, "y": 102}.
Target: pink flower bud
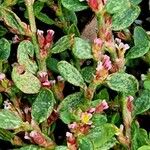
{"x": 106, "y": 62}
{"x": 15, "y": 39}
{"x": 93, "y": 4}
{"x": 2, "y": 76}
{"x": 120, "y": 45}
{"x": 102, "y": 106}
{"x": 60, "y": 78}
{"x": 73, "y": 125}
{"x": 49, "y": 36}
{"x": 129, "y": 103}
{"x": 37, "y": 137}
{"x": 98, "y": 42}
{"x": 43, "y": 76}
{"x": 105, "y": 104}
{"x": 41, "y": 38}
{"x": 91, "y": 110}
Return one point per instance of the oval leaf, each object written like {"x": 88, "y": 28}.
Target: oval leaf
{"x": 123, "y": 82}
{"x": 8, "y": 120}
{"x": 142, "y": 103}
{"x": 5, "y": 47}
{"x": 124, "y": 19}
{"x": 115, "y": 6}
{"x": 140, "y": 36}
{"x": 13, "y": 21}
{"x": 102, "y": 134}
{"x": 25, "y": 56}
{"x": 74, "y": 5}
{"x": 137, "y": 51}
{"x": 62, "y": 44}
{"x": 82, "y": 49}
{"x": 26, "y": 82}
{"x": 145, "y": 147}
{"x": 68, "y": 105}
{"x": 43, "y": 105}
{"x": 71, "y": 74}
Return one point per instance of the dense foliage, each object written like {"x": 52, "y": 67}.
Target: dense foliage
{"x": 70, "y": 92}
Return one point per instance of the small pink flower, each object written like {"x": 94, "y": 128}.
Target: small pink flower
{"x": 2, "y": 76}
{"x": 98, "y": 42}
{"x": 106, "y": 62}
{"x": 15, "y": 39}
{"x": 7, "y": 105}
{"x": 91, "y": 110}
{"x": 43, "y": 76}
{"x": 45, "y": 42}
{"x": 49, "y": 36}
{"x": 120, "y": 45}
{"x": 99, "y": 66}
{"x": 73, "y": 125}
{"x": 52, "y": 82}
{"x": 69, "y": 135}
{"x": 102, "y": 106}
{"x": 41, "y": 38}
{"x": 105, "y": 105}
{"x": 60, "y": 78}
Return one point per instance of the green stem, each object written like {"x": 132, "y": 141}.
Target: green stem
{"x": 127, "y": 119}
{"x": 29, "y": 5}
{"x": 89, "y": 93}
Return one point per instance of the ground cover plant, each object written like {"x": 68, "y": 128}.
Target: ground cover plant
{"x": 61, "y": 89}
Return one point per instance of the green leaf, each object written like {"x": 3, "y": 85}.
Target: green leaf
{"x": 43, "y": 105}
{"x": 123, "y": 82}
{"x": 52, "y": 64}
{"x": 8, "y": 120}
{"x": 61, "y": 148}
{"x": 44, "y": 18}
{"x": 142, "y": 103}
{"x": 87, "y": 74}
{"x": 25, "y": 54}
{"x": 5, "y": 48}
{"x": 38, "y": 6}
{"x": 139, "y": 136}
{"x": 68, "y": 105}
{"x": 74, "y": 5}
{"x": 71, "y": 74}
{"x": 115, "y": 6}
{"x": 70, "y": 16}
{"x": 145, "y": 147}
{"x": 140, "y": 36}
{"x": 85, "y": 144}
{"x": 137, "y": 51}
{"x": 8, "y": 3}
{"x": 3, "y": 31}
{"x": 82, "y": 49}
{"x": 108, "y": 145}
{"x": 135, "y": 2}
{"x": 73, "y": 29}
{"x": 98, "y": 120}
{"x": 30, "y": 147}
{"x": 12, "y": 21}
{"x": 62, "y": 44}
{"x": 103, "y": 94}
{"x": 146, "y": 84}
{"x": 100, "y": 135}
{"x": 124, "y": 19}
{"x": 25, "y": 81}
{"x": 6, "y": 135}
